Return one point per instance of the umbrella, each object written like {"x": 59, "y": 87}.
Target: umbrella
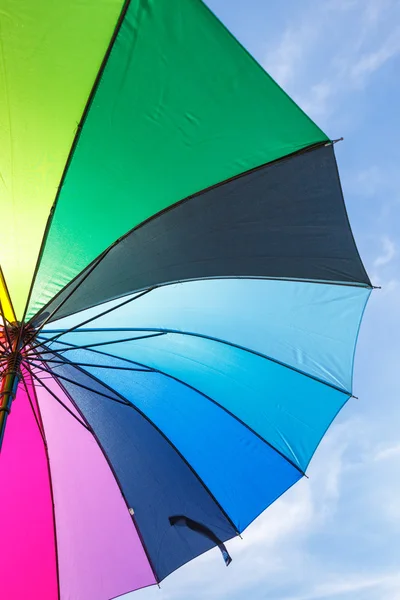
{"x": 181, "y": 293}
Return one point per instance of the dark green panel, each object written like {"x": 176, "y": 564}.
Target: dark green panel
{"x": 181, "y": 106}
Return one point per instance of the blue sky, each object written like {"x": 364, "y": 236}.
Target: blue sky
{"x": 335, "y": 535}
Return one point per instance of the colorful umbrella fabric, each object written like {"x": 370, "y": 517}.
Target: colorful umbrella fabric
{"x": 180, "y": 290}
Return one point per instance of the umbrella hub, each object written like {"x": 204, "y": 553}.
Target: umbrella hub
{"x": 23, "y": 331}
{"x": 15, "y": 338}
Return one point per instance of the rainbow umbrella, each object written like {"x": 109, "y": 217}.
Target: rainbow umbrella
{"x": 183, "y": 293}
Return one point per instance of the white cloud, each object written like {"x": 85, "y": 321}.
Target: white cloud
{"x": 387, "y": 453}
{"x": 375, "y": 10}
{"x": 318, "y": 101}
{"x": 319, "y": 78}
{"x": 283, "y": 61}
{"x": 388, "y": 253}
{"x": 384, "y": 270}
{"x": 365, "y": 65}
{"x": 338, "y": 587}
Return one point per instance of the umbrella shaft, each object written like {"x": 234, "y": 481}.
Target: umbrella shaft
{"x": 8, "y": 390}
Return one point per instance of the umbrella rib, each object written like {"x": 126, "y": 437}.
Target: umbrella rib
{"x": 227, "y": 343}
{"x": 188, "y": 385}
{"x": 129, "y": 404}
{"x": 134, "y": 520}
{"x": 40, "y": 381}
{"x": 141, "y": 293}
{"x": 87, "y": 426}
{"x": 119, "y": 341}
{"x": 59, "y": 363}
{"x": 63, "y": 377}
{"x": 74, "y": 347}
{"x": 176, "y": 281}
{"x": 53, "y": 505}
{"x": 33, "y": 409}
{"x": 5, "y": 350}
{"x": 34, "y": 334}
{"x": 3, "y": 368}
{"x": 109, "y": 310}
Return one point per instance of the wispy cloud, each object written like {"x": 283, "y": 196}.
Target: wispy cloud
{"x": 370, "y": 61}
{"x": 388, "y": 253}
{"x": 339, "y": 587}
{"x": 318, "y": 80}
{"x": 284, "y": 60}
{"x": 384, "y": 271}
{"x": 387, "y": 453}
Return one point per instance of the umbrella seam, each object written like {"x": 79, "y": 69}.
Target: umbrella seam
{"x": 134, "y": 522}
{"x": 102, "y": 255}
{"x": 52, "y": 496}
{"x": 126, "y": 402}
{"x": 231, "y": 344}
{"x": 74, "y": 144}
{"x": 227, "y": 411}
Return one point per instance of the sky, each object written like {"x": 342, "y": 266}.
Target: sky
{"x": 335, "y": 535}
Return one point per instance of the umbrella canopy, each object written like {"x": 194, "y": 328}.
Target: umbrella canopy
{"x": 180, "y": 291}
